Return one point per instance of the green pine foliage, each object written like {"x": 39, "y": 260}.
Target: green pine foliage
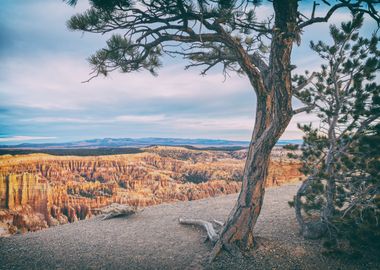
{"x": 358, "y": 219}
{"x": 150, "y": 29}
{"x": 341, "y": 157}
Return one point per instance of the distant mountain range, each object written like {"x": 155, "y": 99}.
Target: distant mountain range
{"x": 141, "y": 142}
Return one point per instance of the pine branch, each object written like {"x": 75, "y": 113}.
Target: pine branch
{"x": 297, "y": 89}
{"x": 355, "y": 7}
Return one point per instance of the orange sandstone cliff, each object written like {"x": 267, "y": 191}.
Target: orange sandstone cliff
{"x": 38, "y": 190}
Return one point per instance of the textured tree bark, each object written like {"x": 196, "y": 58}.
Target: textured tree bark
{"x": 329, "y": 171}
{"x": 330, "y": 187}
{"x": 273, "y": 113}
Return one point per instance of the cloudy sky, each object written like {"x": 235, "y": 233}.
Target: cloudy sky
{"x": 42, "y": 98}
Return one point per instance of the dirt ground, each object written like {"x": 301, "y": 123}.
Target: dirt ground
{"x": 153, "y": 239}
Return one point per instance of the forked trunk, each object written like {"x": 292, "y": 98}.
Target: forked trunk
{"x": 274, "y": 111}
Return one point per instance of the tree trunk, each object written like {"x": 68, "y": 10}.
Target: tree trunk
{"x": 329, "y": 209}
{"x": 273, "y": 113}
{"x": 311, "y": 229}
{"x": 297, "y": 203}
{"x": 329, "y": 171}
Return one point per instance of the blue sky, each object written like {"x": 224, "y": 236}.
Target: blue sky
{"x": 42, "y": 98}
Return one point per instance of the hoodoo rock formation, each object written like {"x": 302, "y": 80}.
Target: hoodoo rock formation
{"x": 39, "y": 190}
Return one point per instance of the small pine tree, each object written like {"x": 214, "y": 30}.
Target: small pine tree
{"x": 341, "y": 158}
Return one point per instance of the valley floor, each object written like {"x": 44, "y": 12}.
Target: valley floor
{"x": 153, "y": 239}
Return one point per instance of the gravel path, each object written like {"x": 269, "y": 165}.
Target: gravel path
{"x": 153, "y": 239}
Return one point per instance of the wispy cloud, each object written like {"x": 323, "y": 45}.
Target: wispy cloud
{"x": 204, "y": 123}
{"x": 140, "y": 118}
{"x": 56, "y": 85}
{"x": 78, "y": 120}
{"x": 24, "y": 138}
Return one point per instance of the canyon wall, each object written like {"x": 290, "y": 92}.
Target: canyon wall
{"x": 38, "y": 190}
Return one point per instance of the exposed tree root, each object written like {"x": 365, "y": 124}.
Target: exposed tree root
{"x": 212, "y": 235}
{"x": 117, "y": 210}
{"x": 232, "y": 249}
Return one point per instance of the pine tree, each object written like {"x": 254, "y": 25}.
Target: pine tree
{"x": 341, "y": 157}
